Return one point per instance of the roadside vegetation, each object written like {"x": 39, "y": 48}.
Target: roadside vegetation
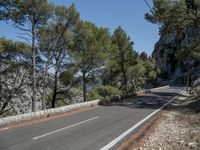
{"x": 62, "y": 59}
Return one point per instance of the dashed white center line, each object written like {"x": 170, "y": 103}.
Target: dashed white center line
{"x": 58, "y": 130}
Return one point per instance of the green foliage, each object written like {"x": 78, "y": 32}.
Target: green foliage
{"x": 89, "y": 51}
{"x": 60, "y": 100}
{"x": 175, "y": 16}
{"x": 67, "y": 78}
{"x": 11, "y": 51}
{"x": 66, "y": 53}
{"x": 14, "y": 47}
{"x": 125, "y": 68}
{"x": 60, "y": 103}
{"x": 152, "y": 75}
{"x": 92, "y": 95}
{"x": 137, "y": 71}
{"x": 90, "y": 46}
{"x": 59, "y": 32}
{"x": 149, "y": 65}
{"x": 167, "y": 14}
{"x": 136, "y": 74}
{"x": 180, "y": 19}
{"x": 22, "y": 10}
{"x": 108, "y": 91}
{"x": 120, "y": 56}
{"x": 144, "y": 56}
{"x": 67, "y": 15}
{"x": 28, "y": 16}
{"x": 55, "y": 42}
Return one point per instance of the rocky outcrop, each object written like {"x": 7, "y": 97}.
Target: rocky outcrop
{"x": 16, "y": 90}
{"x": 167, "y": 54}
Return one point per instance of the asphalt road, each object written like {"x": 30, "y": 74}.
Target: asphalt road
{"x": 100, "y": 128}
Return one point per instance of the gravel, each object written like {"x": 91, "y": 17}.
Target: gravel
{"x": 179, "y": 128}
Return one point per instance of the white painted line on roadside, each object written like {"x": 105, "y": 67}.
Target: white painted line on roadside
{"x": 58, "y": 130}
{"x": 4, "y": 129}
{"x": 123, "y": 135}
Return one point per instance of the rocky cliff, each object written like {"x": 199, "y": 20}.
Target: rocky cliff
{"x": 168, "y": 55}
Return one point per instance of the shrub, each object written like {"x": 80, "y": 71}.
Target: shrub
{"x": 60, "y": 103}
{"x": 108, "y": 91}
{"x": 152, "y": 75}
{"x": 92, "y": 95}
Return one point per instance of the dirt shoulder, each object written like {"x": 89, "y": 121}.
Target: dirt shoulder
{"x": 175, "y": 128}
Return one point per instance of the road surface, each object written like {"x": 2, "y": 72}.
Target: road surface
{"x": 100, "y": 128}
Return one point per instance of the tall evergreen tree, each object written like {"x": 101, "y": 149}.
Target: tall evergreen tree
{"x": 122, "y": 53}
{"x": 90, "y": 51}
{"x": 56, "y": 42}
{"x": 28, "y": 16}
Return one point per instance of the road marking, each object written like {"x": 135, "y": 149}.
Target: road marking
{"x": 4, "y": 129}
{"x": 123, "y": 135}
{"x": 58, "y": 130}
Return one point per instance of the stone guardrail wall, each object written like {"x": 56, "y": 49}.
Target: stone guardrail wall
{"x": 49, "y": 112}
{"x": 43, "y": 113}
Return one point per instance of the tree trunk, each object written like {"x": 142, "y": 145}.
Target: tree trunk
{"x": 123, "y": 70}
{"x": 44, "y": 83}
{"x": 124, "y": 77}
{"x": 33, "y": 68}
{"x": 4, "y": 107}
{"x": 53, "y": 101}
{"x": 125, "y": 81}
{"x": 134, "y": 85}
{"x": 5, "y": 104}
{"x": 44, "y": 92}
{"x": 84, "y": 87}
{"x": 188, "y": 80}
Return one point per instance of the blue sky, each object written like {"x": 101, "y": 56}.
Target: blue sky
{"x": 110, "y": 13}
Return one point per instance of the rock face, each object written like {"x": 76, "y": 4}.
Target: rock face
{"x": 167, "y": 54}
{"x": 164, "y": 51}
{"x": 15, "y": 90}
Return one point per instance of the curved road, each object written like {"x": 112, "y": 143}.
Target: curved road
{"x": 100, "y": 128}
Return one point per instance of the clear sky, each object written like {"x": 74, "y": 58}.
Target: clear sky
{"x": 110, "y": 13}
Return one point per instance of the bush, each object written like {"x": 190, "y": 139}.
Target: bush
{"x": 108, "y": 91}
{"x": 60, "y": 103}
{"x": 152, "y": 75}
{"x": 92, "y": 95}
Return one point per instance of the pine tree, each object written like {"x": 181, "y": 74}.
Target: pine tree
{"x": 90, "y": 51}
{"x": 24, "y": 13}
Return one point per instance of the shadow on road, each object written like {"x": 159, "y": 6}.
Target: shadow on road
{"x": 154, "y": 100}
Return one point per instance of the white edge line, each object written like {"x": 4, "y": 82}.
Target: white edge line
{"x": 119, "y": 138}
{"x": 58, "y": 130}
